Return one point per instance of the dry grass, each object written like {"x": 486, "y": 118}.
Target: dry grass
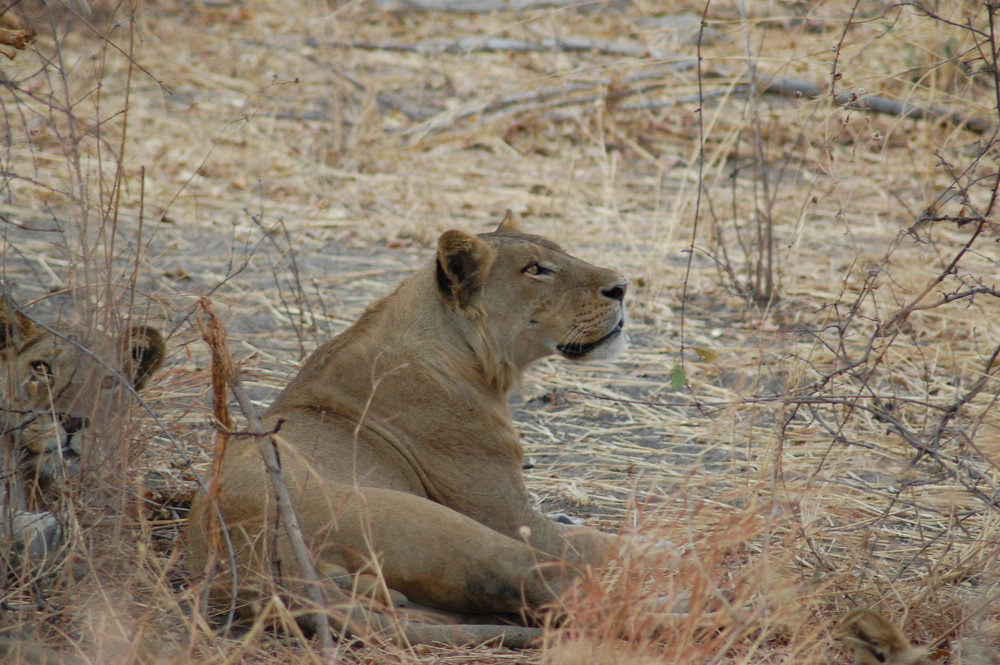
{"x": 829, "y": 445}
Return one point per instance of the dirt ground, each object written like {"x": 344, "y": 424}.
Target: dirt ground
{"x": 806, "y": 410}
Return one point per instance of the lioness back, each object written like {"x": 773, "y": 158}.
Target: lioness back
{"x": 397, "y": 441}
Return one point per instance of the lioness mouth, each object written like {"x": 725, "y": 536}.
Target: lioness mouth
{"x": 578, "y": 350}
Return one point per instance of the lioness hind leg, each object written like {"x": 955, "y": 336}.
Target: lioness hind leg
{"x": 434, "y": 555}
{"x": 417, "y": 550}
{"x": 429, "y": 553}
{"x": 411, "y": 623}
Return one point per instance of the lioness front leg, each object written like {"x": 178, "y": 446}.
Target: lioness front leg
{"x": 596, "y": 547}
{"x": 567, "y": 542}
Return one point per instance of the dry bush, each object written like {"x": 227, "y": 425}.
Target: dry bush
{"x": 808, "y": 408}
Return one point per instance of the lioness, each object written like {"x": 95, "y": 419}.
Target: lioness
{"x": 58, "y": 393}
{"x": 398, "y": 446}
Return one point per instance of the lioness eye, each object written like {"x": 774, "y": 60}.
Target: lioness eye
{"x": 41, "y": 367}
{"x": 537, "y": 269}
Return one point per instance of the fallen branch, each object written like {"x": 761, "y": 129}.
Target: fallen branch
{"x": 549, "y": 97}
{"x": 558, "y": 97}
{"x": 508, "y": 44}
{"x": 795, "y": 87}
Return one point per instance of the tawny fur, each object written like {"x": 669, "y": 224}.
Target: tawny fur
{"x": 876, "y": 641}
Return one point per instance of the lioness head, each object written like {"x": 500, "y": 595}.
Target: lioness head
{"x": 58, "y": 389}
{"x": 530, "y": 297}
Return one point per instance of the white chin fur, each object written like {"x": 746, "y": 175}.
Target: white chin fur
{"x": 609, "y": 349}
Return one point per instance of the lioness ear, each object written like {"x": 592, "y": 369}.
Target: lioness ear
{"x": 145, "y": 350}
{"x": 463, "y": 262}
{"x": 511, "y": 222}
{"x": 875, "y": 640}
{"x": 15, "y": 328}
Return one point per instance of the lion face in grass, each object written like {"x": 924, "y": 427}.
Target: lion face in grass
{"x": 58, "y": 390}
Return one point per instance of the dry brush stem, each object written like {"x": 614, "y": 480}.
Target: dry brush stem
{"x": 224, "y": 374}
{"x": 222, "y": 371}
{"x": 867, "y": 365}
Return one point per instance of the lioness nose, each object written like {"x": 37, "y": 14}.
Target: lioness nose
{"x": 616, "y": 292}
{"x": 72, "y": 424}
